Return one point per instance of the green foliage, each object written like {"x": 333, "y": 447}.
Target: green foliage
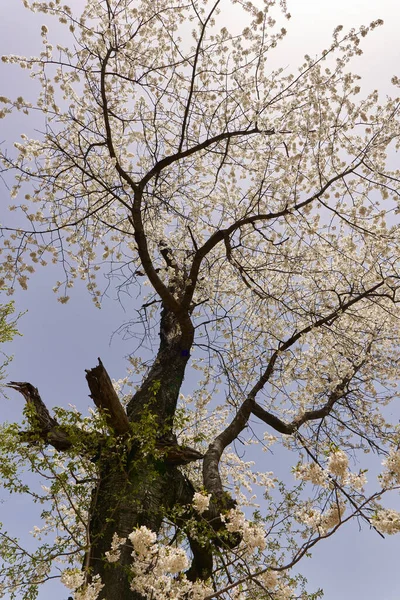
{"x": 61, "y": 487}
{"x": 8, "y": 330}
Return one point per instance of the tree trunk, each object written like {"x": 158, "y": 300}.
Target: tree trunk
{"x": 128, "y": 497}
{"x": 137, "y": 488}
{"x": 160, "y": 389}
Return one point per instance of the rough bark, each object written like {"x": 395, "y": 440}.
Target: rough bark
{"x": 129, "y": 495}
{"x": 137, "y": 489}
{"x": 160, "y": 389}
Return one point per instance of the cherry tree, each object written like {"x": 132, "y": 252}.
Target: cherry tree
{"x": 253, "y": 213}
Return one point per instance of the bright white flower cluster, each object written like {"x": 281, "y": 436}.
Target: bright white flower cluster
{"x": 253, "y": 536}
{"x": 311, "y": 472}
{"x": 391, "y": 476}
{"x": 74, "y": 579}
{"x": 114, "y": 554}
{"x": 269, "y": 579}
{"x": 153, "y": 565}
{"x": 356, "y": 481}
{"x": 338, "y": 464}
{"x": 201, "y": 502}
{"x": 276, "y": 587}
{"x": 142, "y": 540}
{"x": 90, "y": 591}
{"x": 321, "y": 522}
{"x": 387, "y": 521}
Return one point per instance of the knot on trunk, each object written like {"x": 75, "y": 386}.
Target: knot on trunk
{"x": 175, "y": 454}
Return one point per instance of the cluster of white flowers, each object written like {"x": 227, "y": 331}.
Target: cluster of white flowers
{"x": 153, "y": 565}
{"x": 142, "y": 540}
{"x": 338, "y": 464}
{"x": 41, "y": 572}
{"x": 268, "y": 440}
{"x": 391, "y": 476}
{"x": 276, "y": 587}
{"x": 201, "y": 502}
{"x": 332, "y": 516}
{"x": 74, "y": 579}
{"x": 321, "y": 522}
{"x": 356, "y": 481}
{"x": 387, "y": 521}
{"x": 154, "y": 568}
{"x": 284, "y": 593}
{"x": 90, "y": 591}
{"x": 269, "y": 579}
{"x": 114, "y": 554}
{"x": 253, "y": 536}
{"x": 309, "y": 516}
{"x": 311, "y": 472}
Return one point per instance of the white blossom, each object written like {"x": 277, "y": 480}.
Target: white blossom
{"x": 269, "y": 579}
{"x": 72, "y": 578}
{"x": 114, "y": 554}
{"x": 387, "y": 521}
{"x": 142, "y": 540}
{"x": 201, "y": 502}
{"x": 311, "y": 472}
{"x": 391, "y": 474}
{"x": 338, "y": 464}
{"x": 259, "y": 206}
{"x": 253, "y": 535}
{"x": 90, "y": 591}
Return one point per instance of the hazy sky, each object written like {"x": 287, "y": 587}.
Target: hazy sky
{"x": 60, "y": 341}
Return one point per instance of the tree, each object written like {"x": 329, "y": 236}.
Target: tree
{"x": 255, "y": 213}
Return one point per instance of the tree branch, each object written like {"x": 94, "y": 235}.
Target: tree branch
{"x": 309, "y": 415}
{"x": 43, "y": 424}
{"x": 327, "y": 320}
{"x": 106, "y": 399}
{"x": 223, "y": 234}
{"x": 211, "y": 477}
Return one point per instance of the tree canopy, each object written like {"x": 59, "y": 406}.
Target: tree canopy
{"x": 253, "y": 213}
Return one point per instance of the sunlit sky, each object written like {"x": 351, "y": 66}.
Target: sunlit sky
{"x": 59, "y": 342}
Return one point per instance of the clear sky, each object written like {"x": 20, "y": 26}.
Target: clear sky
{"x": 60, "y": 341}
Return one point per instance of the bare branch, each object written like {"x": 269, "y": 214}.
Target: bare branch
{"x": 43, "y": 424}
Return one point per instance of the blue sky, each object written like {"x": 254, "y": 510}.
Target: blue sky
{"x": 60, "y": 341}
